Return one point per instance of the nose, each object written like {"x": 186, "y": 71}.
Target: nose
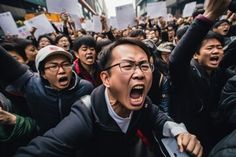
{"x": 60, "y": 69}
{"x": 138, "y": 73}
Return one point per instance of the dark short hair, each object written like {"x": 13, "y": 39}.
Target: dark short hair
{"x": 137, "y": 32}
{"x": 102, "y": 43}
{"x": 105, "y": 56}
{"x": 181, "y": 31}
{"x": 218, "y": 23}
{"x": 212, "y": 35}
{"x": 59, "y": 37}
{"x": 13, "y": 46}
{"x": 46, "y": 36}
{"x": 84, "y": 40}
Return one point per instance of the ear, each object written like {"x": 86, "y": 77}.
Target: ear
{"x": 195, "y": 56}
{"x": 105, "y": 77}
{"x": 43, "y": 75}
{"x": 76, "y": 53}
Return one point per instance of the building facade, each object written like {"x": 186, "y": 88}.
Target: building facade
{"x": 19, "y": 8}
{"x": 173, "y": 6}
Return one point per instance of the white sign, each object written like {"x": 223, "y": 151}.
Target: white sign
{"x": 59, "y": 6}
{"x": 113, "y": 22}
{"x": 23, "y": 32}
{"x": 41, "y": 23}
{"x": 97, "y": 25}
{"x": 8, "y": 24}
{"x": 156, "y": 9}
{"x": 189, "y": 9}
{"x": 125, "y": 16}
{"x": 88, "y": 25}
{"x": 76, "y": 20}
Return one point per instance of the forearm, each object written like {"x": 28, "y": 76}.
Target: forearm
{"x": 23, "y": 127}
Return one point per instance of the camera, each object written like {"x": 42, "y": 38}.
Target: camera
{"x": 232, "y": 6}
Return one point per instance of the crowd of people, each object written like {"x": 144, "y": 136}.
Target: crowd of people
{"x": 119, "y": 92}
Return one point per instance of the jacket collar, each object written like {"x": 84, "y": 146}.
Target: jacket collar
{"x": 102, "y": 117}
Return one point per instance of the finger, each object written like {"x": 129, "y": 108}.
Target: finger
{"x": 200, "y": 152}
{"x": 179, "y": 142}
{"x": 197, "y": 149}
{"x": 192, "y": 142}
{"x": 186, "y": 139}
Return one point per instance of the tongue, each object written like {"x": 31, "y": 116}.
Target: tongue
{"x": 135, "y": 94}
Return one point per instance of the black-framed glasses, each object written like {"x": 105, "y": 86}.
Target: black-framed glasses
{"x": 55, "y": 67}
{"x": 130, "y": 66}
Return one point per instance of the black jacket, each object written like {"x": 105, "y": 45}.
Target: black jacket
{"x": 226, "y": 147}
{"x": 227, "y": 108}
{"x": 195, "y": 94}
{"x": 95, "y": 133}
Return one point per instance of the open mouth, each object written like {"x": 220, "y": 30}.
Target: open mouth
{"x": 136, "y": 95}
{"x": 225, "y": 31}
{"x": 63, "y": 81}
{"x": 90, "y": 58}
{"x": 214, "y": 59}
{"x": 65, "y": 46}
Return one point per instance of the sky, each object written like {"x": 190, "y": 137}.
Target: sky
{"x": 111, "y": 4}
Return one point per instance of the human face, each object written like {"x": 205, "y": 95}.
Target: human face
{"x": 61, "y": 78}
{"x": 15, "y": 55}
{"x": 210, "y": 54}
{"x": 223, "y": 28}
{"x": 86, "y": 55}
{"x": 64, "y": 43}
{"x": 128, "y": 90}
{"x": 31, "y": 52}
{"x": 43, "y": 42}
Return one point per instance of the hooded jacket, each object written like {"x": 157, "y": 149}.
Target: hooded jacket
{"x": 47, "y": 105}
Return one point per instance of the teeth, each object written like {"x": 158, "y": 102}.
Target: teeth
{"x": 138, "y": 87}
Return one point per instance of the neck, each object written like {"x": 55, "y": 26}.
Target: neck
{"x": 88, "y": 68}
{"x": 118, "y": 107}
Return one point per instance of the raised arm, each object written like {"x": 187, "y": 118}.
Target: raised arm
{"x": 184, "y": 51}
{"x": 10, "y": 69}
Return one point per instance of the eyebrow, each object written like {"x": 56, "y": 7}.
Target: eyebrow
{"x": 52, "y": 62}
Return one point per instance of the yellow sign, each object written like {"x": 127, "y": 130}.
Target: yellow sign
{"x": 53, "y": 17}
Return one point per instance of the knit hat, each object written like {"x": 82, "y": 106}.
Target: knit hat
{"x": 166, "y": 47}
{"x": 49, "y": 51}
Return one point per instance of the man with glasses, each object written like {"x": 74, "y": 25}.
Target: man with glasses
{"x": 119, "y": 120}
{"x": 50, "y": 94}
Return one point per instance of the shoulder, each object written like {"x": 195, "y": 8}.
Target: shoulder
{"x": 226, "y": 147}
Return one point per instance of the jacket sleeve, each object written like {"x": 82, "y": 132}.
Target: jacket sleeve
{"x": 10, "y": 69}
{"x": 181, "y": 56}
{"x": 71, "y": 133}
{"x": 228, "y": 102}
{"x": 226, "y": 147}
{"x": 24, "y": 127}
{"x": 165, "y": 125}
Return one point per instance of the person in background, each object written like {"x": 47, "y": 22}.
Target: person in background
{"x": 30, "y": 51}
{"x": 44, "y": 40}
{"x": 64, "y": 42}
{"x": 85, "y": 64}
{"x": 52, "y": 91}
{"x": 198, "y": 73}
